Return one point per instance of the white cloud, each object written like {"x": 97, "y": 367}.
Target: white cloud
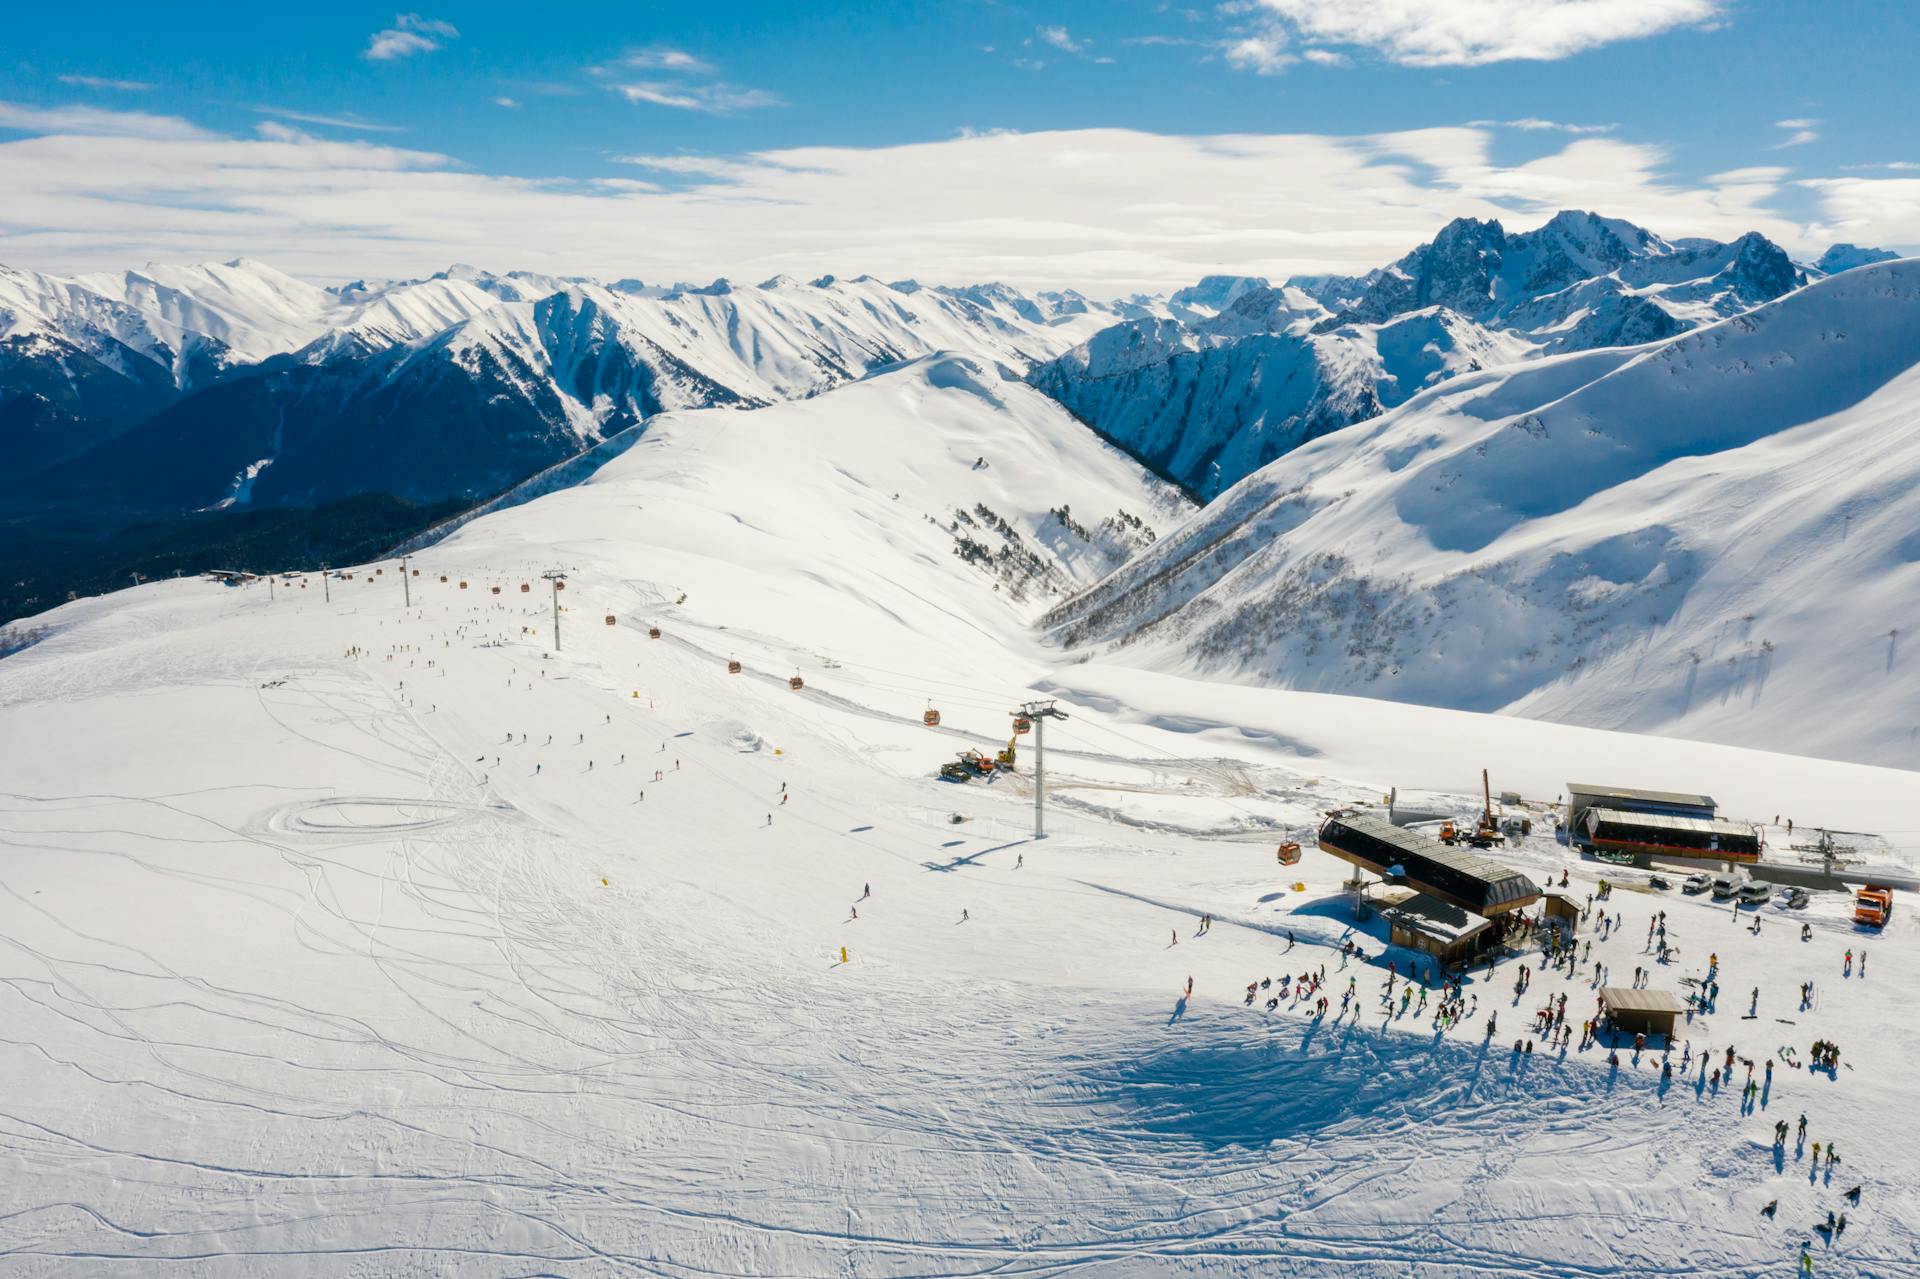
{"x": 1261, "y": 54}
{"x": 1870, "y": 210}
{"x": 1533, "y": 124}
{"x": 1436, "y": 33}
{"x": 106, "y": 82}
{"x": 506, "y": 102}
{"x": 1060, "y": 39}
{"x": 689, "y": 85}
{"x": 1772, "y": 175}
{"x": 409, "y": 34}
{"x": 661, "y": 58}
{"x": 354, "y": 122}
{"x": 1326, "y": 57}
{"x": 95, "y": 120}
{"x": 713, "y": 99}
{"x": 1799, "y": 133}
{"x": 1087, "y": 208}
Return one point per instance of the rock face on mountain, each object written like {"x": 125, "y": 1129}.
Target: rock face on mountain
{"x": 1209, "y": 400}
{"x": 1711, "y": 535}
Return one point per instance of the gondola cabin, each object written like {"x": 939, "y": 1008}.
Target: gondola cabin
{"x": 443, "y": 577}
{"x": 1289, "y": 854}
{"x": 733, "y": 667}
{"x": 463, "y": 586}
{"x": 796, "y": 682}
{"x": 931, "y": 718}
{"x": 609, "y": 619}
{"x": 1713, "y": 839}
{"x": 494, "y": 589}
{"x": 1022, "y": 726}
{"x": 525, "y": 587}
{"x": 653, "y": 632}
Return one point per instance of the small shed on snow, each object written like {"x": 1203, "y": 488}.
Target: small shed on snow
{"x": 1447, "y": 932}
{"x": 1644, "y": 1012}
{"x": 1560, "y": 905}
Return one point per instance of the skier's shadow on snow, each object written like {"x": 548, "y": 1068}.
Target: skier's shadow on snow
{"x": 960, "y": 863}
{"x": 1179, "y": 1010}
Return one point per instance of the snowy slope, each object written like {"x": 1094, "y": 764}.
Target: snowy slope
{"x": 1711, "y": 536}
{"x": 348, "y": 937}
{"x": 994, "y": 497}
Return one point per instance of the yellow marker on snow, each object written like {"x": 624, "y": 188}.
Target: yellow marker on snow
{"x": 636, "y": 693}
{"x": 778, "y": 751}
{"x": 843, "y": 954}
{"x": 603, "y": 883}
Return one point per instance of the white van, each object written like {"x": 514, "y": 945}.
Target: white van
{"x": 1724, "y": 886}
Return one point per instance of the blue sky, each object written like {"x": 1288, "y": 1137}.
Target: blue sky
{"x": 655, "y": 132}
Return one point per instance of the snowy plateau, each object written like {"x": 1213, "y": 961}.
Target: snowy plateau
{"x": 366, "y": 924}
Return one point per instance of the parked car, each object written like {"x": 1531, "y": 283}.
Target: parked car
{"x": 1724, "y": 886}
{"x": 1797, "y": 898}
{"x": 1757, "y": 891}
{"x": 1697, "y": 884}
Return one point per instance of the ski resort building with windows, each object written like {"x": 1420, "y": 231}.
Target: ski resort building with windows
{"x": 1582, "y": 797}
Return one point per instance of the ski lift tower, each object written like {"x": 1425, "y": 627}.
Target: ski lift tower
{"x": 1040, "y": 713}
{"x": 555, "y": 577}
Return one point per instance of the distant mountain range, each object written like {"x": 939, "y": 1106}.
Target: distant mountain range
{"x": 173, "y": 395}
{"x": 194, "y": 387}
{"x": 1210, "y": 400}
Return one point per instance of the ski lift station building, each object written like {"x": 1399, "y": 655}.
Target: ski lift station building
{"x": 1583, "y": 797}
{"x": 1459, "y": 878}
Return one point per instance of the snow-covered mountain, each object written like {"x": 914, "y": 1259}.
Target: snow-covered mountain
{"x": 195, "y": 386}
{"x": 1207, "y": 401}
{"x": 1845, "y": 257}
{"x": 1713, "y": 535}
